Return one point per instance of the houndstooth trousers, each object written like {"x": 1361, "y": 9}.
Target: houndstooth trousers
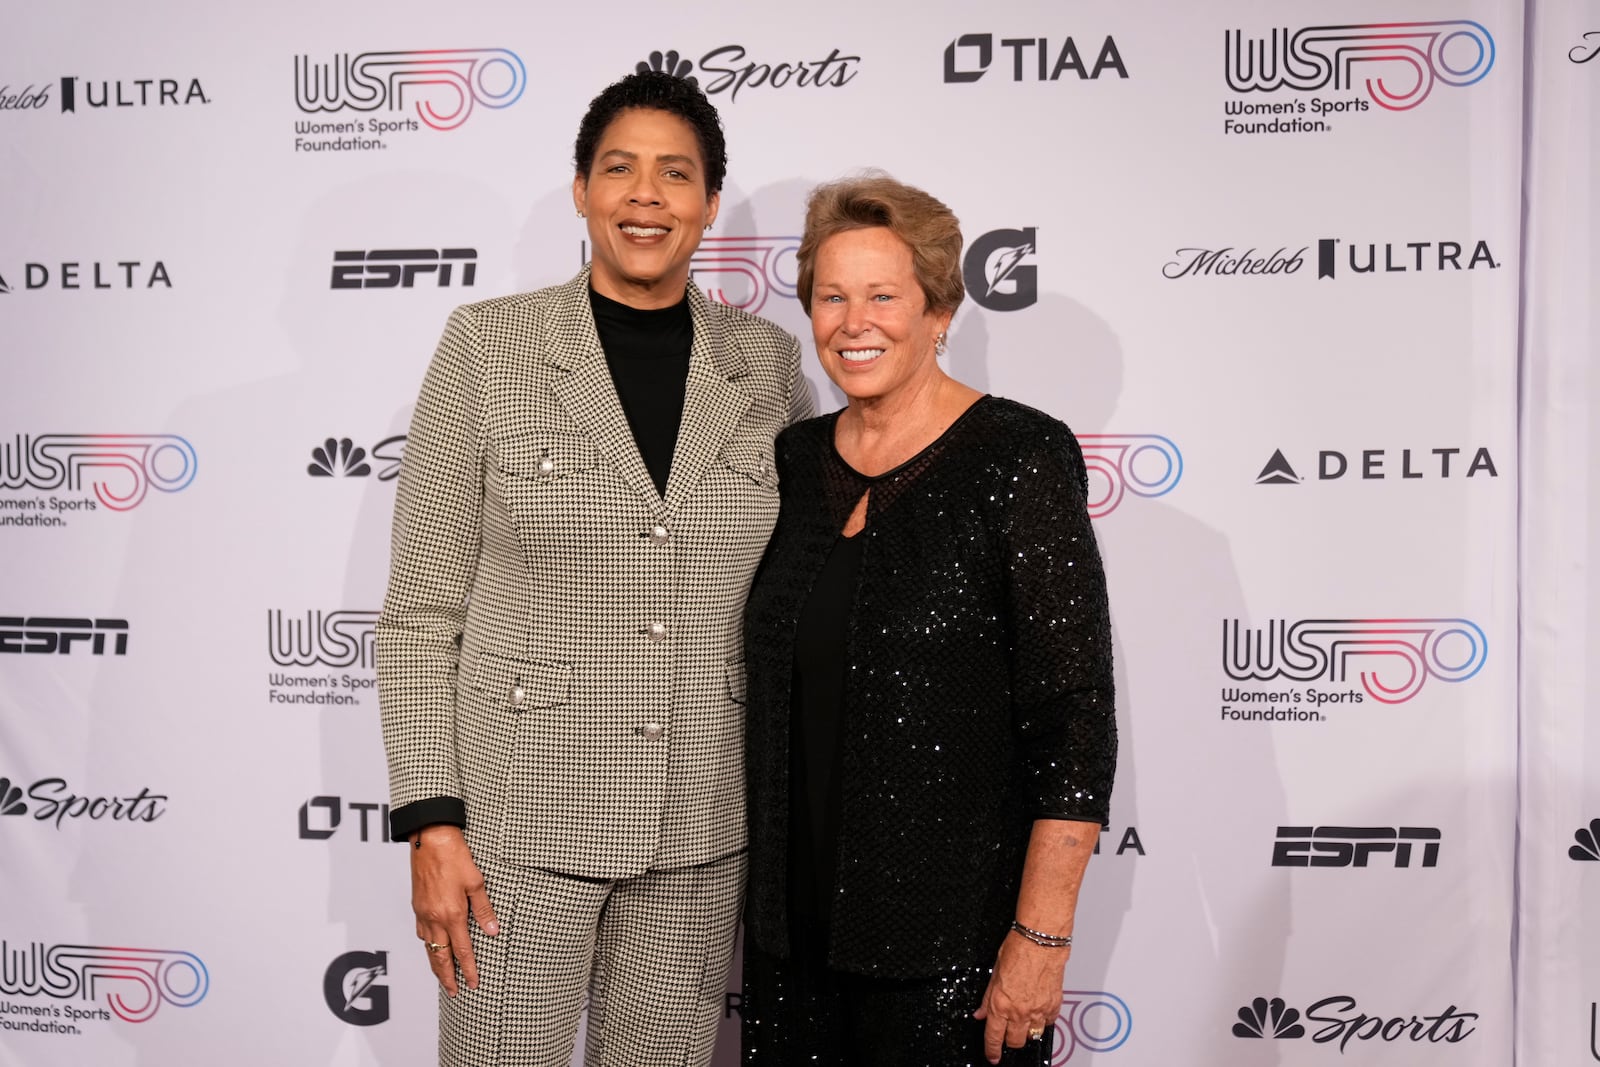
{"x": 652, "y": 953}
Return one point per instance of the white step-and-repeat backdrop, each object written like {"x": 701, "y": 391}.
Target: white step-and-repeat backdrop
{"x": 1270, "y": 261}
{"x": 1558, "y": 851}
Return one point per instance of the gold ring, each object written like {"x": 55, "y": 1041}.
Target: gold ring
{"x": 1036, "y": 1033}
{"x": 436, "y": 948}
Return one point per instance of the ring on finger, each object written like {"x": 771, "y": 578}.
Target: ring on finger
{"x": 1035, "y": 1033}
{"x": 436, "y": 947}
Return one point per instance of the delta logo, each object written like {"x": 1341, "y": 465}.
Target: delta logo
{"x": 1380, "y": 464}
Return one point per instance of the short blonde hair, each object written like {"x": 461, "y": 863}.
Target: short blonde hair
{"x": 929, "y": 228}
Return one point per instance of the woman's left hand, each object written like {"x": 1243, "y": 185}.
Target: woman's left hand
{"x": 1024, "y": 994}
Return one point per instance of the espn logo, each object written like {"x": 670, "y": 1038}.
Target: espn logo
{"x": 43, "y": 636}
{"x": 1353, "y": 846}
{"x": 397, "y": 268}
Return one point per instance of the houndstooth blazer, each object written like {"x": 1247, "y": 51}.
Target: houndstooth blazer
{"x": 560, "y": 653}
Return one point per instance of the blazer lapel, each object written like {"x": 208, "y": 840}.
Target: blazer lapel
{"x": 712, "y": 405}
{"x": 590, "y": 396}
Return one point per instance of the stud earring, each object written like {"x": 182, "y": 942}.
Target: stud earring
{"x": 939, "y": 345}
{"x": 581, "y": 215}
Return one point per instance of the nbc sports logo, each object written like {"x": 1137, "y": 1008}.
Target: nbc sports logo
{"x": 1338, "y": 1020}
{"x": 340, "y": 457}
{"x": 1587, "y": 849}
{"x": 11, "y": 802}
{"x": 1268, "y": 1018}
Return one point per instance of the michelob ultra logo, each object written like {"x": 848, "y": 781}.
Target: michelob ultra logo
{"x": 1393, "y": 657}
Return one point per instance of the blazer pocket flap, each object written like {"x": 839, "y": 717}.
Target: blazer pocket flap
{"x": 522, "y": 684}
{"x": 753, "y": 460}
{"x": 546, "y": 456}
{"x": 737, "y": 682}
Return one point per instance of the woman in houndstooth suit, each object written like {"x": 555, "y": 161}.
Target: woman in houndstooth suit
{"x": 588, "y": 487}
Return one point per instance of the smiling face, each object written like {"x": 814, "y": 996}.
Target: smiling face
{"x": 874, "y": 332}
{"x": 646, "y": 202}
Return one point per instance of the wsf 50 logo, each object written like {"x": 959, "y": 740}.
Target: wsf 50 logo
{"x": 441, "y": 85}
{"x": 1407, "y": 651}
{"x": 135, "y": 982}
{"x": 1091, "y": 1021}
{"x": 1412, "y": 57}
{"x": 120, "y": 469}
{"x": 747, "y": 270}
{"x": 1146, "y": 465}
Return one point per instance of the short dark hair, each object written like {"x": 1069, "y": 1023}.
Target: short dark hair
{"x": 662, "y": 92}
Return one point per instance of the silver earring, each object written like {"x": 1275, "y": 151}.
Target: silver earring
{"x": 581, "y": 215}
{"x": 939, "y": 345}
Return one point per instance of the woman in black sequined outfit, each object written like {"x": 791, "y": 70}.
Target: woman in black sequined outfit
{"x": 932, "y": 736}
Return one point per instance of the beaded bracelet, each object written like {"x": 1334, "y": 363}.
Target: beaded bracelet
{"x": 1042, "y": 939}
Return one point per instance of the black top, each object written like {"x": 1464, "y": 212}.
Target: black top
{"x": 977, "y": 692}
{"x": 648, "y": 353}
{"x": 819, "y": 656}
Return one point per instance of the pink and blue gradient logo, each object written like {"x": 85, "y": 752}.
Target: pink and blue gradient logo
{"x": 1090, "y": 1021}
{"x": 442, "y": 85}
{"x": 120, "y": 469}
{"x": 1146, "y": 465}
{"x": 133, "y": 982}
{"x": 1393, "y": 658}
{"x": 743, "y": 272}
{"x": 1398, "y": 63}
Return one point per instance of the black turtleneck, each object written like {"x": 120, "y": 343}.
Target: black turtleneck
{"x": 648, "y": 353}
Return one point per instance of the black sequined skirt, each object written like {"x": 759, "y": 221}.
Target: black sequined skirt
{"x": 796, "y": 1012}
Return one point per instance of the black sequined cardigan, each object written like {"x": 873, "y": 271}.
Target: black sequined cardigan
{"x": 978, "y": 688}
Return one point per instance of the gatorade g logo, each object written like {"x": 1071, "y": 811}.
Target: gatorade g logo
{"x": 352, "y": 990}
{"x": 999, "y": 270}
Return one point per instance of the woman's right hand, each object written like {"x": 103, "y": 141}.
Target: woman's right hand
{"x": 445, "y": 885}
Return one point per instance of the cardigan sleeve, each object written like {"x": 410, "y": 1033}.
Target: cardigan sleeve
{"x": 1063, "y": 700}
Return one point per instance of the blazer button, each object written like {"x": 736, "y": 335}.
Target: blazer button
{"x": 660, "y": 535}
{"x": 656, "y": 631}
{"x": 518, "y": 696}
{"x": 651, "y": 731}
{"x": 547, "y": 465}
